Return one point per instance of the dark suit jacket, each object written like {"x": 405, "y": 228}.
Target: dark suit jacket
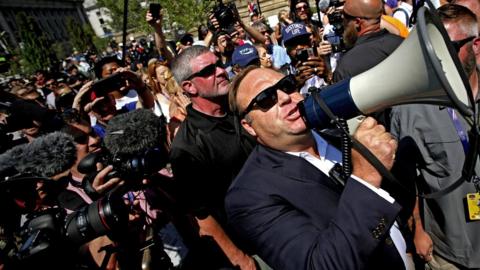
{"x": 295, "y": 217}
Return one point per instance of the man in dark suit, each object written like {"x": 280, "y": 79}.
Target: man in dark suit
{"x": 283, "y": 204}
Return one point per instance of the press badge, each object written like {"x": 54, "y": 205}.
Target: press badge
{"x": 473, "y": 201}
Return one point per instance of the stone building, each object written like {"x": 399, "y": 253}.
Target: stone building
{"x": 51, "y": 16}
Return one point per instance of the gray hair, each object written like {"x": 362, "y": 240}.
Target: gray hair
{"x": 461, "y": 16}
{"x": 181, "y": 67}
{"x": 260, "y": 26}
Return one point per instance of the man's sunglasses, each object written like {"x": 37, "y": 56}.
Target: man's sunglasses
{"x": 458, "y": 44}
{"x": 206, "y": 71}
{"x": 300, "y": 8}
{"x": 349, "y": 17}
{"x": 267, "y": 98}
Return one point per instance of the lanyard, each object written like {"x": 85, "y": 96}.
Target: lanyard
{"x": 460, "y": 130}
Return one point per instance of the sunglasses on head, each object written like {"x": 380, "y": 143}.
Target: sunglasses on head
{"x": 268, "y": 97}
{"x": 458, "y": 44}
{"x": 206, "y": 71}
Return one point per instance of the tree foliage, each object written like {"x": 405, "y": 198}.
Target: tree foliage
{"x": 188, "y": 14}
{"x": 80, "y": 36}
{"x": 36, "y": 50}
{"x": 136, "y": 14}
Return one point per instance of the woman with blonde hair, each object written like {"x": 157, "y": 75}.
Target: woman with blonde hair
{"x": 169, "y": 95}
{"x": 156, "y": 80}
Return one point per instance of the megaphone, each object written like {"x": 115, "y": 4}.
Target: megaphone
{"x": 427, "y": 70}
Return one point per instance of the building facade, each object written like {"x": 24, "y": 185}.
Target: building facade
{"x": 51, "y": 16}
{"x": 98, "y": 18}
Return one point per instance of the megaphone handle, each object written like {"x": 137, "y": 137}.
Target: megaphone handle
{"x": 346, "y": 145}
{"x": 386, "y": 174}
{"x": 346, "y": 138}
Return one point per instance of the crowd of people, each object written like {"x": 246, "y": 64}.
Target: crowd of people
{"x": 197, "y": 155}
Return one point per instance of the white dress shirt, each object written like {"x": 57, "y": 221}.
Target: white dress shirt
{"x": 329, "y": 156}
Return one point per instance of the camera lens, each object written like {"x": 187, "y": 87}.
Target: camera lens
{"x": 109, "y": 215}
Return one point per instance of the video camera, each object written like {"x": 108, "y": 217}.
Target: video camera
{"x": 131, "y": 168}
{"x": 50, "y": 237}
{"x": 21, "y": 114}
{"x": 336, "y": 20}
{"x": 226, "y": 15}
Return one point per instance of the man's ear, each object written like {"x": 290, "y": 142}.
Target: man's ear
{"x": 189, "y": 88}
{"x": 358, "y": 24}
{"x": 476, "y": 48}
{"x": 248, "y": 127}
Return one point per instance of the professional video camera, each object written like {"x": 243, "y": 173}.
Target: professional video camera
{"x": 133, "y": 145}
{"x": 226, "y": 15}
{"x": 21, "y": 114}
{"x": 51, "y": 238}
{"x": 131, "y": 168}
{"x": 31, "y": 180}
{"x": 336, "y": 20}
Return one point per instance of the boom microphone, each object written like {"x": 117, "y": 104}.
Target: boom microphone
{"x": 323, "y": 5}
{"x": 134, "y": 132}
{"x": 45, "y": 156}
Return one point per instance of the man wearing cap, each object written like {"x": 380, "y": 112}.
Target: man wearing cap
{"x": 306, "y": 65}
{"x": 368, "y": 42}
{"x": 244, "y": 56}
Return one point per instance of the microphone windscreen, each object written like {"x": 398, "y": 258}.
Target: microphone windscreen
{"x": 134, "y": 132}
{"x": 45, "y": 156}
{"x": 323, "y": 4}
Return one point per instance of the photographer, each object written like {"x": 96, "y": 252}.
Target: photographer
{"x": 35, "y": 176}
{"x": 229, "y": 31}
{"x": 332, "y": 45}
{"x": 136, "y": 150}
{"x": 309, "y": 69}
{"x": 117, "y": 93}
{"x": 27, "y": 117}
{"x": 223, "y": 48}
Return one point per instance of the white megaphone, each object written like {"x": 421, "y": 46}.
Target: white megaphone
{"x": 427, "y": 70}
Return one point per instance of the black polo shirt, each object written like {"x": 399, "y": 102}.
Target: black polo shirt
{"x": 369, "y": 50}
{"x": 206, "y": 155}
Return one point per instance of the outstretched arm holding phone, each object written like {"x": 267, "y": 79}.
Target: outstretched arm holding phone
{"x": 154, "y": 18}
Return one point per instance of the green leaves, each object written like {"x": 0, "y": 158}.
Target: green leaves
{"x": 36, "y": 47}
{"x": 188, "y": 14}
